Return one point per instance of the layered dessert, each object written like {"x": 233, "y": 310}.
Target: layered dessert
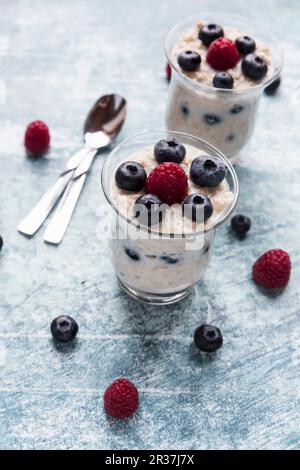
{"x": 169, "y": 196}
{"x": 219, "y": 72}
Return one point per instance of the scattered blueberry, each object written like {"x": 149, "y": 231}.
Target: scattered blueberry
{"x": 240, "y": 224}
{"x": 169, "y": 150}
{"x": 170, "y": 259}
{"x": 189, "y": 60}
{"x": 185, "y": 110}
{"x": 131, "y": 176}
{"x": 236, "y": 109}
{"x": 245, "y": 45}
{"x": 231, "y": 137}
{"x": 207, "y": 171}
{"x": 223, "y": 80}
{"x": 208, "y": 338}
{"x": 206, "y": 248}
{"x": 254, "y": 67}
{"x": 210, "y": 32}
{"x": 271, "y": 89}
{"x": 64, "y": 328}
{"x": 132, "y": 254}
{"x": 1, "y": 243}
{"x": 198, "y": 207}
{"x": 212, "y": 119}
{"x": 148, "y": 209}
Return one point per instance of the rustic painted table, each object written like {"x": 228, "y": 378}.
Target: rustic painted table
{"x": 56, "y": 58}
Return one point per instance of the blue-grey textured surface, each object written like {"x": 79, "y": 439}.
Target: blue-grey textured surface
{"x": 56, "y": 58}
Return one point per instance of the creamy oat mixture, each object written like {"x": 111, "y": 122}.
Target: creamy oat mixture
{"x": 173, "y": 221}
{"x": 205, "y": 74}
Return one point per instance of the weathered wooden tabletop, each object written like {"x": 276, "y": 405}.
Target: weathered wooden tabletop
{"x": 56, "y": 58}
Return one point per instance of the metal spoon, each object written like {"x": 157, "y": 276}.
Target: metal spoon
{"x": 101, "y": 127}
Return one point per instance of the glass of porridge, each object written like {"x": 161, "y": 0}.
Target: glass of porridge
{"x": 167, "y": 193}
{"x": 220, "y": 66}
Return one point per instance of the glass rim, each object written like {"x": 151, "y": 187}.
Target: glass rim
{"x": 225, "y": 214}
{"x": 208, "y": 88}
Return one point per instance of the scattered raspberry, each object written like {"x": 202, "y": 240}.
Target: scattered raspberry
{"x": 272, "y": 270}
{"x": 37, "y": 138}
{"x": 222, "y": 54}
{"x": 168, "y": 72}
{"x": 121, "y": 399}
{"x": 169, "y": 182}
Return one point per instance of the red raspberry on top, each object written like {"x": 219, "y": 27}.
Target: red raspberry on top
{"x": 272, "y": 270}
{"x": 169, "y": 182}
{"x": 222, "y": 54}
{"x": 121, "y": 399}
{"x": 37, "y": 138}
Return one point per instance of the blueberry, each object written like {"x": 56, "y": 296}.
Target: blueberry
{"x": 240, "y": 224}
{"x": 148, "y": 209}
{"x": 223, "y": 80}
{"x": 207, "y": 171}
{"x": 132, "y": 254}
{"x": 254, "y": 67}
{"x": 64, "y": 328}
{"x": 169, "y": 150}
{"x": 189, "y": 60}
{"x": 236, "y": 109}
{"x": 170, "y": 259}
{"x": 208, "y": 338}
{"x": 131, "y": 176}
{"x": 198, "y": 207}
{"x": 1, "y": 243}
{"x": 271, "y": 89}
{"x": 210, "y": 32}
{"x": 231, "y": 137}
{"x": 245, "y": 45}
{"x": 185, "y": 110}
{"x": 212, "y": 119}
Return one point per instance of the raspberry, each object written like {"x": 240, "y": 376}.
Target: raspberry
{"x": 168, "y": 72}
{"x": 222, "y": 54}
{"x": 169, "y": 182}
{"x": 37, "y": 138}
{"x": 272, "y": 270}
{"x": 121, "y": 399}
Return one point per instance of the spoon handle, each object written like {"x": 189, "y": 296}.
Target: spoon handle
{"x": 57, "y": 228}
{"x": 32, "y": 222}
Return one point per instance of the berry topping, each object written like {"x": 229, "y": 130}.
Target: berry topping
{"x": 132, "y": 254}
{"x": 211, "y": 119}
{"x": 245, "y": 45}
{"x": 222, "y": 54}
{"x": 236, "y": 109}
{"x": 121, "y": 399}
{"x": 131, "y": 176}
{"x": 148, "y": 209}
{"x": 189, "y": 61}
{"x": 169, "y": 182}
{"x": 198, "y": 207}
{"x": 208, "y": 171}
{"x": 169, "y": 150}
{"x": 64, "y": 328}
{"x": 1, "y": 243}
{"x": 37, "y": 138}
{"x": 254, "y": 67}
{"x": 272, "y": 270}
{"x": 240, "y": 224}
{"x": 210, "y": 32}
{"x": 223, "y": 80}
{"x": 208, "y": 338}
{"x": 271, "y": 89}
{"x": 170, "y": 259}
{"x": 168, "y": 72}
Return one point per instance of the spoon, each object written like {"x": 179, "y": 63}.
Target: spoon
{"x": 102, "y": 125}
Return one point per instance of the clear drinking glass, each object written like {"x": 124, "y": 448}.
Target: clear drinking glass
{"x": 149, "y": 277}
{"x": 225, "y": 118}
